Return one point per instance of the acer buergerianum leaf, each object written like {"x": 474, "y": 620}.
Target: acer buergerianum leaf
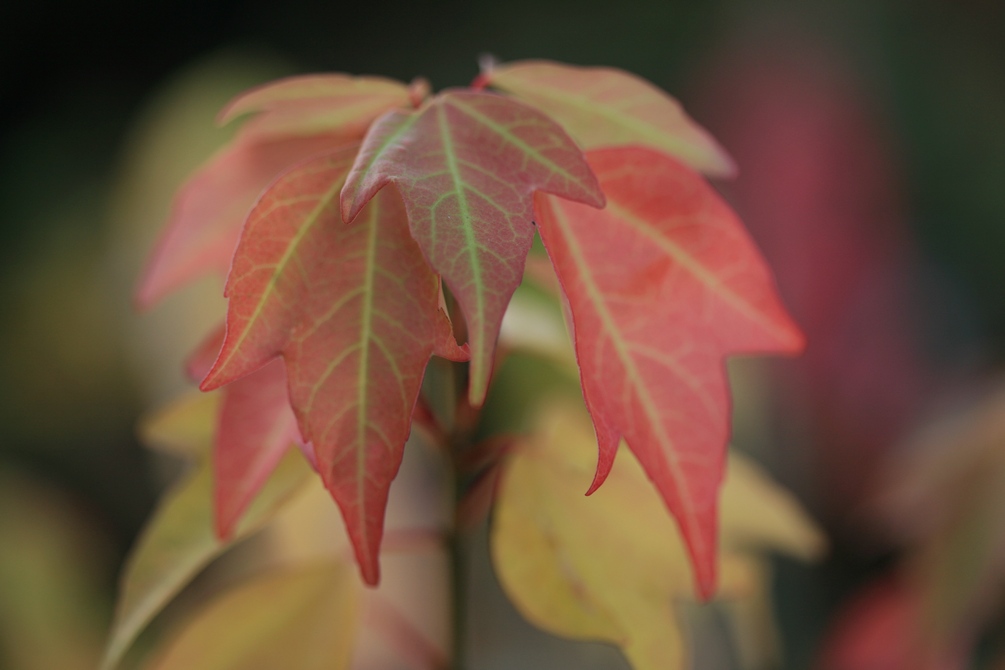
{"x": 609, "y": 567}
{"x": 179, "y": 540}
{"x": 662, "y": 285}
{"x": 467, "y": 165}
{"x": 604, "y": 107}
{"x": 317, "y": 104}
{"x": 354, "y": 311}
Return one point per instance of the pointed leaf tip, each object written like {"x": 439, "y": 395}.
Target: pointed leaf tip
{"x": 467, "y": 165}
{"x": 354, "y": 312}
{"x": 651, "y": 337}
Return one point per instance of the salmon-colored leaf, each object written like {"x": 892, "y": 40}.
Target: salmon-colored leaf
{"x": 467, "y": 165}
{"x": 603, "y": 107}
{"x": 256, "y": 427}
{"x": 317, "y": 104}
{"x": 354, "y": 311}
{"x": 206, "y": 217}
{"x": 662, "y": 285}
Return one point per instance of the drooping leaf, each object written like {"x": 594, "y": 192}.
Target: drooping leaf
{"x": 317, "y": 104}
{"x": 255, "y": 426}
{"x": 604, "y": 107}
{"x": 662, "y": 285}
{"x": 179, "y": 539}
{"x": 622, "y": 589}
{"x": 404, "y": 622}
{"x": 467, "y": 166}
{"x": 301, "y": 619}
{"x": 354, "y": 311}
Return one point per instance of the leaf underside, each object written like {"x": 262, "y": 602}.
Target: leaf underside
{"x": 662, "y": 285}
{"x": 354, "y": 312}
{"x": 467, "y": 166}
{"x": 605, "y": 107}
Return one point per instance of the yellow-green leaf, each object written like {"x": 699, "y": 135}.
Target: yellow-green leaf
{"x": 295, "y": 619}
{"x": 184, "y": 426}
{"x": 179, "y": 539}
{"x": 604, "y": 107}
{"x": 610, "y": 566}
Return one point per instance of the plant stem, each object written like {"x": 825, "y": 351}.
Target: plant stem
{"x": 459, "y": 591}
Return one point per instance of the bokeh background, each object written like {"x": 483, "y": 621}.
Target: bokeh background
{"x": 871, "y": 143}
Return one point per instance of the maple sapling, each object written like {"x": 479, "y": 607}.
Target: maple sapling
{"x": 364, "y": 221}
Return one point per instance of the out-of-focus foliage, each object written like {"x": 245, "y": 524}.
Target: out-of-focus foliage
{"x": 53, "y": 563}
{"x": 612, "y": 566}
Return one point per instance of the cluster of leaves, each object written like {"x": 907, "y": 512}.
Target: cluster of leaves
{"x": 340, "y": 208}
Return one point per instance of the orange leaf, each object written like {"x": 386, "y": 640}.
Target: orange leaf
{"x": 467, "y": 165}
{"x": 354, "y": 311}
{"x": 662, "y": 285}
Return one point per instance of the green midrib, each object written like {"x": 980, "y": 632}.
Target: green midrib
{"x": 366, "y": 333}
{"x": 471, "y": 246}
{"x": 309, "y": 222}
{"x": 527, "y": 149}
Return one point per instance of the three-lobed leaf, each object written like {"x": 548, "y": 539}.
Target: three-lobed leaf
{"x": 467, "y": 166}
{"x": 604, "y": 107}
{"x": 355, "y": 313}
{"x": 662, "y": 285}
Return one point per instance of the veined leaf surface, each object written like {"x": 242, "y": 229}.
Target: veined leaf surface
{"x": 298, "y": 117}
{"x": 662, "y": 285}
{"x": 209, "y": 209}
{"x": 317, "y": 104}
{"x": 354, "y": 311}
{"x": 467, "y": 166}
{"x": 603, "y": 107}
